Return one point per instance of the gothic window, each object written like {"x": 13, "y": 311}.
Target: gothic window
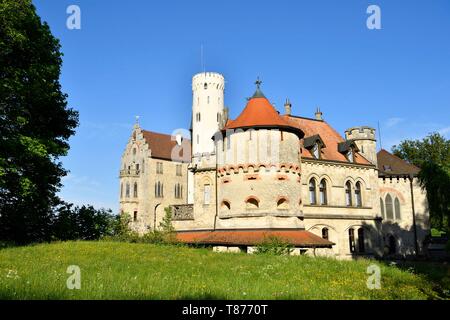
{"x": 361, "y": 245}
{"x": 351, "y": 239}
{"x": 206, "y": 194}
{"x": 358, "y": 194}
{"x": 389, "y": 208}
{"x": 382, "y": 208}
{"x": 252, "y": 203}
{"x": 323, "y": 192}
{"x": 135, "y": 216}
{"x": 127, "y": 190}
{"x": 135, "y": 190}
{"x": 121, "y": 190}
{"x": 312, "y": 191}
{"x": 348, "y": 194}
{"x": 159, "y": 190}
{"x": 325, "y": 233}
{"x": 397, "y": 209}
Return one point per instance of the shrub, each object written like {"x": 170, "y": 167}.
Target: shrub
{"x": 274, "y": 245}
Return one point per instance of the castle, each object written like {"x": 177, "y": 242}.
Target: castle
{"x": 233, "y": 183}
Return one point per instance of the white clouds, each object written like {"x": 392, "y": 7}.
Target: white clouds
{"x": 392, "y": 122}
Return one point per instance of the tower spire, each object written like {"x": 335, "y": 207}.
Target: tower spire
{"x": 258, "y": 93}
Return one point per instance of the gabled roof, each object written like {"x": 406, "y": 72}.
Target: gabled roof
{"x": 330, "y": 137}
{"x": 161, "y": 145}
{"x": 298, "y": 238}
{"x": 389, "y": 164}
{"x": 309, "y": 142}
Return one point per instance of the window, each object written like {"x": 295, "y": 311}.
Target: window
{"x": 135, "y": 215}
{"x": 323, "y": 192}
{"x": 159, "y": 167}
{"x": 325, "y": 233}
{"x": 159, "y": 190}
{"x": 135, "y": 190}
{"x": 178, "y": 170}
{"x": 389, "y": 208}
{"x": 178, "y": 191}
{"x": 282, "y": 203}
{"x": 350, "y": 155}
{"x": 348, "y": 194}
{"x": 361, "y": 245}
{"x": 312, "y": 191}
{"x": 226, "y": 205}
{"x": 198, "y": 139}
{"x": 198, "y": 117}
{"x": 351, "y": 239}
{"x": 316, "y": 151}
{"x": 358, "y": 194}
{"x": 397, "y": 209}
{"x": 205, "y": 86}
{"x": 143, "y": 165}
{"x": 127, "y": 190}
{"x": 252, "y": 203}
{"x": 207, "y": 194}
{"x": 137, "y": 167}
{"x": 382, "y": 208}
{"x": 121, "y": 190}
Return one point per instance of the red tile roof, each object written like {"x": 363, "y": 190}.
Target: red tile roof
{"x": 258, "y": 113}
{"x": 330, "y": 137}
{"x": 389, "y": 164}
{"x": 161, "y": 146}
{"x": 298, "y": 238}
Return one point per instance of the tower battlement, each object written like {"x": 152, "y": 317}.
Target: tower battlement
{"x": 360, "y": 133}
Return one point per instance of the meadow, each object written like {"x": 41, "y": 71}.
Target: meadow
{"x": 116, "y": 270}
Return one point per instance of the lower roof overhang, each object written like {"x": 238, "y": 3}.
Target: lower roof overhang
{"x": 253, "y": 237}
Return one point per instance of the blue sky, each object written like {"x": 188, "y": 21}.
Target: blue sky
{"x": 137, "y": 58}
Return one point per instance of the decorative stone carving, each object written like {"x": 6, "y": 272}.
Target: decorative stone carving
{"x": 182, "y": 212}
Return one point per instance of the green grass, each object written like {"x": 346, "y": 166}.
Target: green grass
{"x": 112, "y": 270}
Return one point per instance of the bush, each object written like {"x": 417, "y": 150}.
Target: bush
{"x": 274, "y": 245}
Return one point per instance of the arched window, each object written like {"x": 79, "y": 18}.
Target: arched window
{"x": 358, "y": 194}
{"x": 135, "y": 190}
{"x": 323, "y": 192}
{"x": 127, "y": 190}
{"x": 397, "y": 209}
{"x": 121, "y": 190}
{"x": 252, "y": 203}
{"x": 351, "y": 239}
{"x": 135, "y": 216}
{"x": 312, "y": 191}
{"x": 205, "y": 86}
{"x": 159, "y": 190}
{"x": 282, "y": 203}
{"x": 348, "y": 194}
{"x": 382, "y": 209}
{"x": 226, "y": 205}
{"x": 325, "y": 233}
{"x": 389, "y": 208}
{"x": 361, "y": 242}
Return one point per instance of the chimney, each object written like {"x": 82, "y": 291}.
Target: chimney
{"x": 287, "y": 107}
{"x": 318, "y": 114}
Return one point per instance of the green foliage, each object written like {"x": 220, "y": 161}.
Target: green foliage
{"x": 113, "y": 270}
{"x": 274, "y": 245}
{"x": 35, "y": 123}
{"x": 432, "y": 155}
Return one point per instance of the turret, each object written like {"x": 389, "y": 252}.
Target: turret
{"x": 364, "y": 138}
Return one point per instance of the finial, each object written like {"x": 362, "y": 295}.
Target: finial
{"x": 318, "y": 114}
{"x": 258, "y": 82}
{"x": 136, "y": 124}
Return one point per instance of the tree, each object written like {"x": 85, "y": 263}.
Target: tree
{"x": 432, "y": 155}
{"x": 35, "y": 123}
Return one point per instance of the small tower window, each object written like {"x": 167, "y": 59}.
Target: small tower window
{"x": 205, "y": 86}
{"x": 127, "y": 190}
{"x": 325, "y": 233}
{"x": 252, "y": 203}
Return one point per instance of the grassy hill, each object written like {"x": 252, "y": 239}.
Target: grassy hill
{"x": 111, "y": 270}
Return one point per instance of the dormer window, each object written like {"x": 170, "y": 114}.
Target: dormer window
{"x": 316, "y": 151}
{"x": 350, "y": 156}
{"x": 314, "y": 144}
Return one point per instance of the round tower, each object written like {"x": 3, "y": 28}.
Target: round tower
{"x": 207, "y": 110}
{"x": 364, "y": 138}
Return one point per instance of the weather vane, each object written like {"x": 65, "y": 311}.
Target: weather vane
{"x": 258, "y": 82}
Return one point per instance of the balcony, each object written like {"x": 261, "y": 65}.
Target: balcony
{"x": 130, "y": 173}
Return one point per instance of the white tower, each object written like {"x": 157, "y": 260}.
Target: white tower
{"x": 207, "y": 111}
